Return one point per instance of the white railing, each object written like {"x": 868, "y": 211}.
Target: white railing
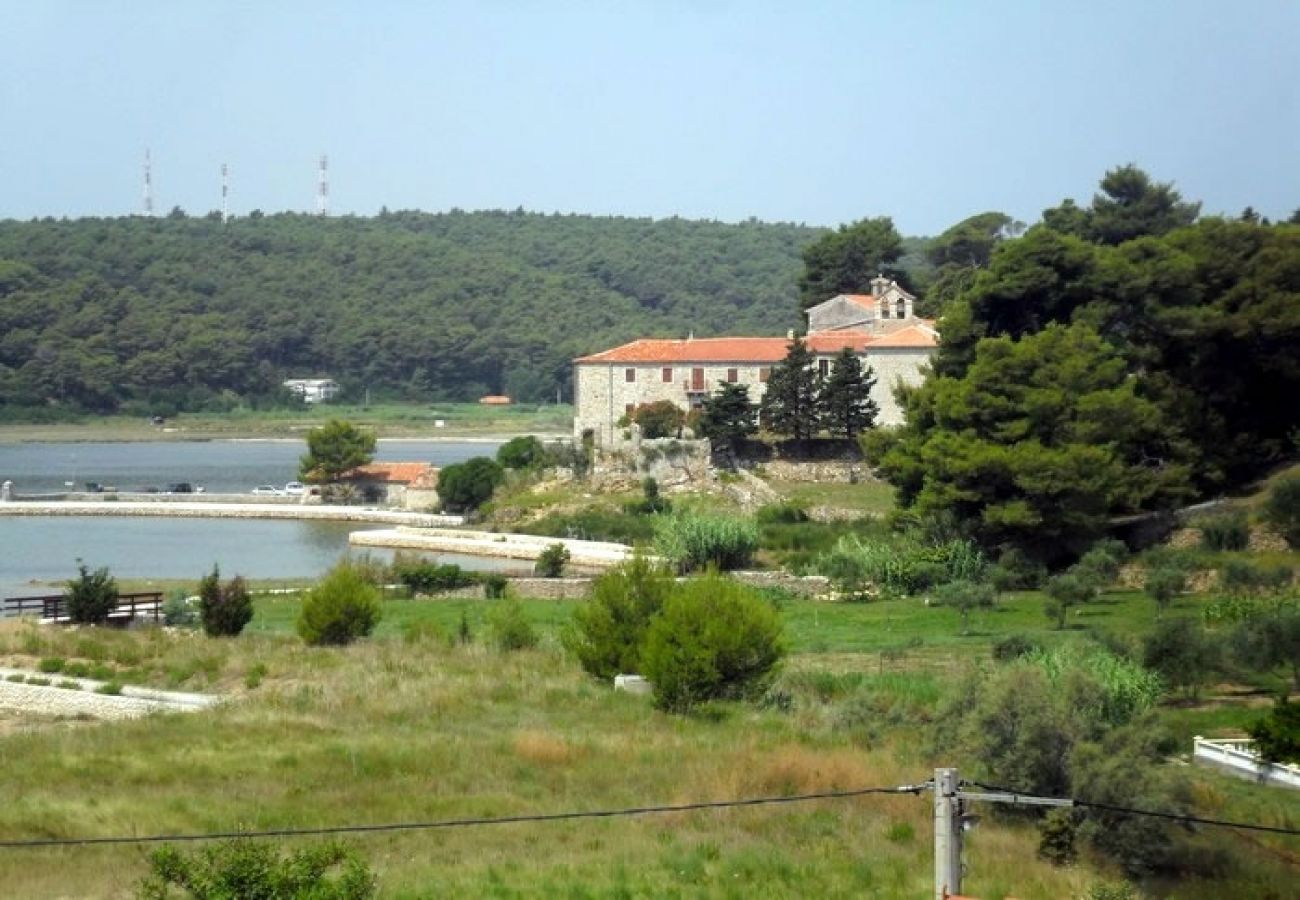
{"x": 1237, "y": 756}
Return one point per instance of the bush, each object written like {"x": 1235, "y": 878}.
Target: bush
{"x": 659, "y": 419}
{"x": 900, "y": 568}
{"x": 1015, "y": 646}
{"x": 91, "y": 596}
{"x": 607, "y": 633}
{"x": 1277, "y": 735}
{"x": 691, "y": 542}
{"x": 224, "y": 609}
{"x": 1227, "y": 532}
{"x": 467, "y": 486}
{"x": 523, "y": 452}
{"x": 342, "y": 608}
{"x": 255, "y": 869}
{"x": 177, "y": 611}
{"x": 508, "y": 626}
{"x": 713, "y": 639}
{"x": 420, "y": 577}
{"x": 1183, "y": 653}
{"x": 652, "y": 503}
{"x": 495, "y": 585}
{"x": 1282, "y": 509}
{"x": 551, "y": 562}
{"x": 1015, "y": 571}
{"x": 1239, "y": 575}
{"x": 786, "y": 513}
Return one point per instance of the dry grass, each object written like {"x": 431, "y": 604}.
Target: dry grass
{"x": 386, "y": 731}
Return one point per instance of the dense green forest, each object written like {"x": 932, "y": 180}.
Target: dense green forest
{"x": 156, "y": 315}
{"x": 1119, "y": 357}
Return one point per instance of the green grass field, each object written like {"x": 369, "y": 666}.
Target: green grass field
{"x": 406, "y": 726}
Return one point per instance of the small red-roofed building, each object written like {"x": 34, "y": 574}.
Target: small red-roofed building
{"x": 879, "y": 327}
{"x": 409, "y": 485}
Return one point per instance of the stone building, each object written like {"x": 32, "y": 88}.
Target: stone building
{"x": 407, "y": 485}
{"x": 880, "y": 327}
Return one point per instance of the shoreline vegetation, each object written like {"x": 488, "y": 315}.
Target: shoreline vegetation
{"x": 462, "y": 422}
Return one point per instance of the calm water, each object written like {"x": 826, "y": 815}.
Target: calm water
{"x": 42, "y": 550}
{"x": 218, "y": 466}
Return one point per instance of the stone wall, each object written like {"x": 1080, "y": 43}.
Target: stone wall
{"x": 832, "y": 472}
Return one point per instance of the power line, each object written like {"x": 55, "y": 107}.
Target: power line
{"x": 1133, "y": 811}
{"x": 466, "y": 823}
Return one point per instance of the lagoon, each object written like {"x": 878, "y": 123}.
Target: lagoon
{"x": 37, "y": 551}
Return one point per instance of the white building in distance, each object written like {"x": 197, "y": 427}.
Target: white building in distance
{"x": 313, "y": 390}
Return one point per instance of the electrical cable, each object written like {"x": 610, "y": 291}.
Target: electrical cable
{"x": 1132, "y": 811}
{"x": 463, "y": 823}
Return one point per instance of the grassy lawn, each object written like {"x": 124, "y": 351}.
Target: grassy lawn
{"x": 874, "y": 497}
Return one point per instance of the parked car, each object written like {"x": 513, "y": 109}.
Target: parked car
{"x": 180, "y": 487}
{"x": 295, "y": 489}
{"x": 268, "y": 490}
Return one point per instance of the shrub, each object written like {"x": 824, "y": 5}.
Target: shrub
{"x": 690, "y": 542}
{"x": 551, "y": 562}
{"x": 607, "y": 633}
{"x": 420, "y": 577}
{"x": 900, "y": 568}
{"x": 523, "y": 452}
{"x": 495, "y": 585}
{"x": 1282, "y": 509}
{"x": 1230, "y": 531}
{"x": 1014, "y": 646}
{"x": 1277, "y": 735}
{"x": 713, "y": 639}
{"x": 52, "y": 665}
{"x": 91, "y": 596}
{"x": 786, "y": 513}
{"x": 248, "y": 868}
{"x": 1182, "y": 652}
{"x": 659, "y": 419}
{"x": 177, "y": 611}
{"x": 342, "y": 608}
{"x": 467, "y": 486}
{"x": 652, "y": 501}
{"x": 509, "y": 627}
{"x": 1015, "y": 571}
{"x": 224, "y": 609}
{"x": 1239, "y": 575}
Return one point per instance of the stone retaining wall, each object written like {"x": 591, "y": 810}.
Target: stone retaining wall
{"x": 579, "y": 587}
{"x": 831, "y": 471}
{"x": 61, "y": 701}
{"x": 200, "y": 510}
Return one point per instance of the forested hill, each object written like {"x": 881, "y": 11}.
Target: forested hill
{"x": 177, "y": 312}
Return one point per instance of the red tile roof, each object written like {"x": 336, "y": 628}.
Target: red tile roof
{"x": 701, "y": 350}
{"x": 866, "y": 301}
{"x": 393, "y": 473}
{"x": 758, "y": 349}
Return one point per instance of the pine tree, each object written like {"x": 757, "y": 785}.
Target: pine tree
{"x": 790, "y": 402}
{"x": 727, "y": 417}
{"x": 845, "y": 397}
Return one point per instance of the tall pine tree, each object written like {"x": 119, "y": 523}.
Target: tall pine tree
{"x": 727, "y": 418}
{"x": 790, "y": 403}
{"x": 845, "y": 397}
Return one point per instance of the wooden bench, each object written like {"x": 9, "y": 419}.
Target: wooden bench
{"x": 54, "y": 608}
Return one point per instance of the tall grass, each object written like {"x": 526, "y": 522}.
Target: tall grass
{"x": 691, "y": 541}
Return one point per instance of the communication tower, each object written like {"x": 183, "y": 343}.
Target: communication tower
{"x": 323, "y": 191}
{"x": 148, "y": 185}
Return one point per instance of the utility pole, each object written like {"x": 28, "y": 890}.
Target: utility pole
{"x": 950, "y": 822}
{"x": 947, "y": 835}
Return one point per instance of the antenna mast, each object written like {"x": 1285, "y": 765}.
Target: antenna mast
{"x": 323, "y": 192}
{"x": 148, "y": 185}
{"x": 225, "y": 191}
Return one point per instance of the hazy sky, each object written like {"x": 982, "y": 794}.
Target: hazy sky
{"x": 819, "y": 112}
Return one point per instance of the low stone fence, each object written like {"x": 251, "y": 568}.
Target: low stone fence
{"x": 829, "y": 471}
{"x": 189, "y": 508}
{"x": 84, "y": 699}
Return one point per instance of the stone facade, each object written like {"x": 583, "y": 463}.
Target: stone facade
{"x": 882, "y": 328}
